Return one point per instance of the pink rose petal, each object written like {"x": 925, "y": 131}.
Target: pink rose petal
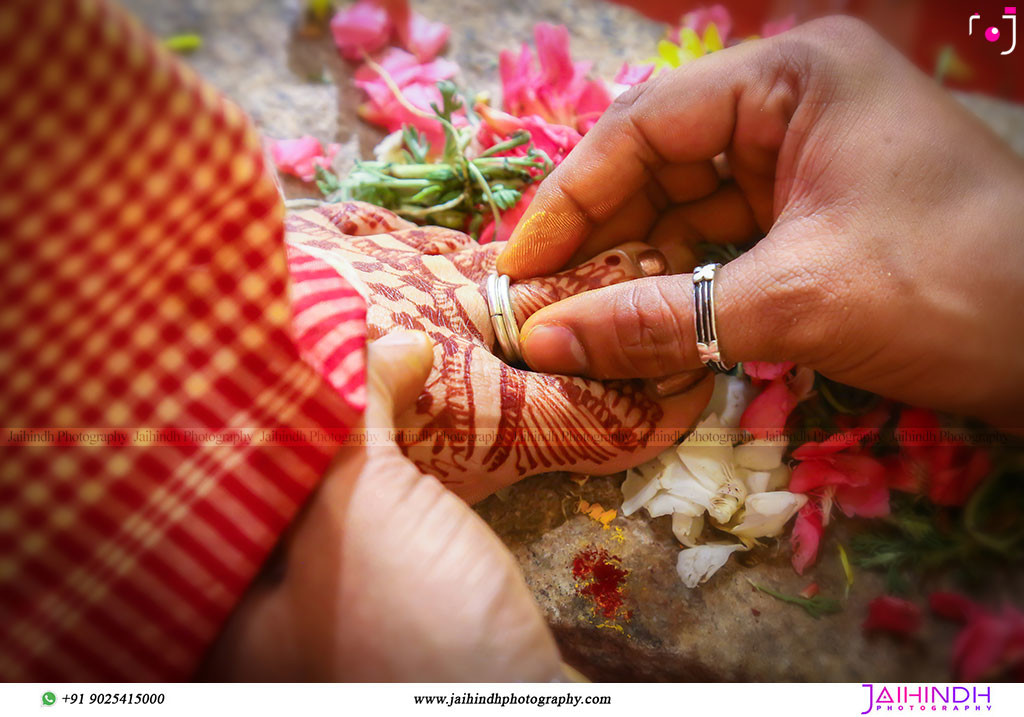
{"x": 806, "y": 536}
{"x": 300, "y": 157}
{"x": 559, "y": 90}
{"x": 422, "y": 37}
{"x": 990, "y": 646}
{"x": 894, "y": 615}
{"x": 633, "y": 74}
{"x": 361, "y": 28}
{"x": 952, "y": 606}
{"x": 765, "y": 370}
{"x": 769, "y": 410}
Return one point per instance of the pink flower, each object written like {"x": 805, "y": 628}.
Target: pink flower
{"x": 699, "y": 19}
{"x": 839, "y": 467}
{"x": 769, "y": 410}
{"x": 417, "y": 83}
{"x": 806, "y": 536}
{"x": 951, "y": 606}
{"x": 300, "y": 157}
{"x": 892, "y": 614}
{"x": 777, "y": 27}
{"x": 766, "y": 371}
{"x": 405, "y": 69}
{"x": 948, "y": 470}
{"x": 422, "y": 37}
{"x": 368, "y": 26}
{"x": 634, "y": 74}
{"x": 554, "y": 139}
{"x": 990, "y": 646}
{"x": 509, "y": 219}
{"x": 361, "y": 28}
{"x": 559, "y": 90}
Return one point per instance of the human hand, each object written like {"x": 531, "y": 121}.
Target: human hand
{"x": 894, "y": 255}
{"x": 386, "y": 575}
{"x": 466, "y": 427}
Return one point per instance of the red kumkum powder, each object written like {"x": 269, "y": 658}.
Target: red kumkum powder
{"x": 601, "y": 578}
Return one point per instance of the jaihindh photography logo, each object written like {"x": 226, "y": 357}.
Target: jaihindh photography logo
{"x": 922, "y": 698}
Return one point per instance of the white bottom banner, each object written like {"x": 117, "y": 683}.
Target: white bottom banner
{"x": 274, "y": 700}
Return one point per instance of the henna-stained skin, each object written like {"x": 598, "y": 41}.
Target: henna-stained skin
{"x": 481, "y": 424}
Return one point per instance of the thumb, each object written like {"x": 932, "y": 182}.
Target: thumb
{"x": 767, "y": 307}
{"x": 398, "y": 365}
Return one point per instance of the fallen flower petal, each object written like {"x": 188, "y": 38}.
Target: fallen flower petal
{"x": 766, "y": 514}
{"x": 806, "y": 536}
{"x": 640, "y": 486}
{"x": 810, "y": 591}
{"x": 697, "y": 565}
{"x": 361, "y": 29}
{"x": 555, "y": 140}
{"x": 833, "y": 444}
{"x": 869, "y": 501}
{"x": 559, "y": 90}
{"x": 765, "y": 370}
{"x": 768, "y": 412}
{"x": 634, "y": 74}
{"x": 687, "y": 528}
{"x": 892, "y": 614}
{"x": 730, "y": 399}
{"x": 990, "y": 646}
{"x": 950, "y": 471}
{"x": 761, "y": 454}
{"x": 952, "y": 606}
{"x": 422, "y": 37}
{"x": 300, "y": 157}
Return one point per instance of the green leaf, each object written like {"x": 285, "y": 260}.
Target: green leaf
{"x": 416, "y": 143}
{"x": 326, "y": 180}
{"x": 815, "y": 606}
{"x": 504, "y": 197}
{"x": 426, "y": 196}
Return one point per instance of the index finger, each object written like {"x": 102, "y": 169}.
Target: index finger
{"x": 682, "y": 116}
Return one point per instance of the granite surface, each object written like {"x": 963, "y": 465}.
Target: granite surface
{"x": 291, "y": 85}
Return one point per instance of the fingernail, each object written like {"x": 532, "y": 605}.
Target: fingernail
{"x": 652, "y": 262}
{"x": 676, "y": 383}
{"x": 403, "y": 338}
{"x": 553, "y": 348}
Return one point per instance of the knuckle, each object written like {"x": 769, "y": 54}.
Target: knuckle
{"x": 646, "y": 330}
{"x": 624, "y": 103}
{"x": 840, "y": 32}
{"x": 799, "y": 300}
{"x": 828, "y": 48}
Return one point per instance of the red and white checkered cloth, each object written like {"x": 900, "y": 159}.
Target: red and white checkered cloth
{"x": 144, "y": 284}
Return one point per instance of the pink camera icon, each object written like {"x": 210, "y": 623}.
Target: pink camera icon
{"x": 993, "y": 33}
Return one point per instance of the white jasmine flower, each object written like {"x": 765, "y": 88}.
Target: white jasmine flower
{"x": 641, "y": 485}
{"x": 760, "y": 454}
{"x": 687, "y": 528}
{"x": 765, "y": 514}
{"x": 729, "y": 399}
{"x": 389, "y": 149}
{"x": 697, "y": 565}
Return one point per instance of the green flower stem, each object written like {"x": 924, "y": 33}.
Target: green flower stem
{"x": 421, "y": 212}
{"x": 517, "y": 140}
{"x": 487, "y": 192}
